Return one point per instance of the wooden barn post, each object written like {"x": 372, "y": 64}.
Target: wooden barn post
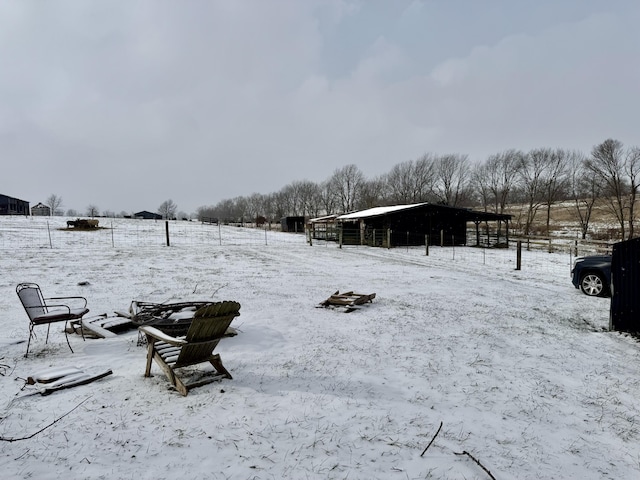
{"x": 166, "y": 227}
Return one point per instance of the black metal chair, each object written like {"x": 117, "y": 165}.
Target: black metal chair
{"x": 41, "y": 312}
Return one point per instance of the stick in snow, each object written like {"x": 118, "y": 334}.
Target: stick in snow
{"x": 45, "y": 427}
{"x": 434, "y": 437}
{"x": 477, "y": 461}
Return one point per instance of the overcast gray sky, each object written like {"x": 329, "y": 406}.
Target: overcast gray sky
{"x": 125, "y": 104}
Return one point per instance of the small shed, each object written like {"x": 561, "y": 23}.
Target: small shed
{"x": 41, "y": 210}
{"x": 292, "y": 224}
{"x": 416, "y": 224}
{"x": 13, "y": 206}
{"x": 147, "y": 215}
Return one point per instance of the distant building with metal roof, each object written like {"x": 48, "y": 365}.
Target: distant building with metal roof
{"x": 417, "y": 224}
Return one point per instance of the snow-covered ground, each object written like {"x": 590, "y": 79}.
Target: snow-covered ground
{"x": 518, "y": 366}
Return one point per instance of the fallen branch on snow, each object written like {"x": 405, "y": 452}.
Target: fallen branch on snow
{"x": 434, "y": 437}
{"x": 4, "y": 439}
{"x": 477, "y": 461}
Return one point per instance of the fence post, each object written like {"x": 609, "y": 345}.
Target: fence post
{"x": 49, "y": 231}
{"x": 426, "y": 244}
{"x": 166, "y": 227}
{"x": 340, "y": 238}
{"x": 519, "y": 255}
{"x": 441, "y": 238}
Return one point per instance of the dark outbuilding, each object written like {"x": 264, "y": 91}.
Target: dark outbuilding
{"x": 292, "y": 224}
{"x": 416, "y": 224}
{"x": 13, "y": 206}
{"x": 147, "y": 215}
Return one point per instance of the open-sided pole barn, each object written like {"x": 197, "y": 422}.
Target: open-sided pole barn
{"x": 421, "y": 223}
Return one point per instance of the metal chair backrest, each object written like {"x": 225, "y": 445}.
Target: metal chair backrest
{"x": 32, "y": 299}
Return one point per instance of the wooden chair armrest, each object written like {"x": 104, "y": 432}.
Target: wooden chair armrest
{"x": 159, "y": 335}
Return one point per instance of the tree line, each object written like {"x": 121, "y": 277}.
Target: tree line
{"x": 537, "y": 179}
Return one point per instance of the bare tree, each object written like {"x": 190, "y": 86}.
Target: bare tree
{"x": 168, "y": 209}
{"x": 71, "y": 213}
{"x": 372, "y": 193}
{"x": 531, "y": 173}
{"x": 346, "y": 184}
{"x": 327, "y": 198}
{"x": 54, "y": 202}
{"x": 280, "y": 204}
{"x": 585, "y": 189}
{"x": 452, "y": 179}
{"x": 481, "y": 184}
{"x": 412, "y": 181}
{"x": 93, "y": 211}
{"x": 288, "y": 201}
{"x": 632, "y": 169}
{"x": 503, "y": 168}
{"x": 241, "y": 210}
{"x": 309, "y": 198}
{"x": 255, "y": 206}
{"x": 617, "y": 168}
{"x": 268, "y": 208}
{"x": 554, "y": 180}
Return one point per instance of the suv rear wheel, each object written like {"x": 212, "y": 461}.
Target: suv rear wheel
{"x": 592, "y": 284}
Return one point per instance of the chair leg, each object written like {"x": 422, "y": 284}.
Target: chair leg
{"x": 29, "y": 341}
{"x": 150, "y": 344}
{"x": 66, "y": 335}
{"x": 216, "y": 361}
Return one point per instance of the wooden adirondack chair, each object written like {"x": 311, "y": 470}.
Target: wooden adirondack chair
{"x": 42, "y": 312}
{"x": 209, "y": 325}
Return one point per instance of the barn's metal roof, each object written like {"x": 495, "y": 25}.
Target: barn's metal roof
{"x": 377, "y": 211}
{"x": 468, "y": 214}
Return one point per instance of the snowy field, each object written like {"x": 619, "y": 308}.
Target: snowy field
{"x": 518, "y": 366}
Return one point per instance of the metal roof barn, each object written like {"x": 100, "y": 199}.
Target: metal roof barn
{"x": 417, "y": 224}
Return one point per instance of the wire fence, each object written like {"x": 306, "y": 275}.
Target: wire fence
{"x": 539, "y": 255}
{"x": 538, "y": 260}
{"x": 52, "y": 232}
